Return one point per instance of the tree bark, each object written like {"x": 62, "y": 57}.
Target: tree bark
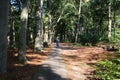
{"x": 39, "y": 37}
{"x": 110, "y": 21}
{"x": 50, "y": 33}
{"x": 22, "y": 32}
{"x": 48, "y": 29}
{"x": 3, "y": 34}
{"x": 78, "y": 23}
{"x": 11, "y": 32}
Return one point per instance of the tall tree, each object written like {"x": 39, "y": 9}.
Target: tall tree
{"x": 39, "y": 37}
{"x": 3, "y": 34}
{"x": 114, "y": 3}
{"x": 22, "y": 31}
{"x": 47, "y": 23}
{"x": 110, "y": 21}
{"x": 78, "y": 24}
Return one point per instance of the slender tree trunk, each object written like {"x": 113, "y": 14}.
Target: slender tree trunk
{"x": 110, "y": 21}
{"x": 12, "y": 30}
{"x": 12, "y": 35}
{"x": 39, "y": 37}
{"x": 114, "y": 21}
{"x": 49, "y": 29}
{"x": 46, "y": 34}
{"x": 22, "y": 32}
{"x": 78, "y": 24}
{"x": 3, "y": 34}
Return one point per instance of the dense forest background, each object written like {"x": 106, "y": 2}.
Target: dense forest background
{"x": 36, "y": 23}
{"x": 83, "y": 21}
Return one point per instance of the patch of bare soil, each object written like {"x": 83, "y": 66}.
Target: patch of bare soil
{"x": 79, "y": 59}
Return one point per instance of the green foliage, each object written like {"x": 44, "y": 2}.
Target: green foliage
{"x": 117, "y": 35}
{"x": 89, "y": 39}
{"x": 13, "y": 46}
{"x": 63, "y": 19}
{"x": 109, "y": 69}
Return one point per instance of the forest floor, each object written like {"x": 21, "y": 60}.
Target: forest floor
{"x": 76, "y": 61}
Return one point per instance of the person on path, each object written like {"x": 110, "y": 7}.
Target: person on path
{"x": 57, "y": 42}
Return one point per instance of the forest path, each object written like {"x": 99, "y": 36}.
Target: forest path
{"x": 69, "y": 63}
{"x": 53, "y": 68}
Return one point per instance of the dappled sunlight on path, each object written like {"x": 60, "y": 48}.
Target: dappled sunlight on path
{"x": 53, "y": 68}
{"x": 78, "y": 60}
{"x": 76, "y": 69}
{"x": 69, "y": 63}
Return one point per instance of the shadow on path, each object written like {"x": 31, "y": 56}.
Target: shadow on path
{"x": 46, "y": 73}
{"x": 53, "y": 68}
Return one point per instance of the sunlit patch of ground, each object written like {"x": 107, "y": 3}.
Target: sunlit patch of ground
{"x": 78, "y": 60}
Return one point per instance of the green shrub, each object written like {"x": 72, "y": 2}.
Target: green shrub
{"x": 89, "y": 39}
{"x": 115, "y": 36}
{"x": 109, "y": 69}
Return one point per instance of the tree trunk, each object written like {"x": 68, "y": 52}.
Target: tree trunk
{"x": 11, "y": 30}
{"x": 114, "y": 22}
{"x": 110, "y": 21}
{"x": 22, "y": 32}
{"x": 78, "y": 24}
{"x": 39, "y": 37}
{"x": 46, "y": 34}
{"x": 3, "y": 34}
{"x": 49, "y": 29}
{"x": 50, "y": 33}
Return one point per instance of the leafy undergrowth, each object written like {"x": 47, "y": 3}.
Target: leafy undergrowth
{"x": 17, "y": 71}
{"x": 108, "y": 69}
